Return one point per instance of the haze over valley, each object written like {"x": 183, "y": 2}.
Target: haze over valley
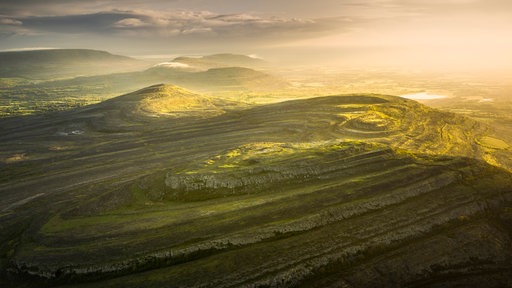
{"x": 255, "y": 143}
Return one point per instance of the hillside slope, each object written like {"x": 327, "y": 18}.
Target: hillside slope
{"x": 167, "y": 100}
{"x": 350, "y": 191}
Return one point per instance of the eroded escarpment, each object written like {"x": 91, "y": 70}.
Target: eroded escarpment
{"x": 258, "y": 167}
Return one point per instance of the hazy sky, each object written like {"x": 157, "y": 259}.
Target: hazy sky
{"x": 467, "y": 34}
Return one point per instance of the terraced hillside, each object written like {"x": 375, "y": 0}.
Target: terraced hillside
{"x": 337, "y": 191}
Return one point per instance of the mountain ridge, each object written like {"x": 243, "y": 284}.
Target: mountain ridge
{"x": 52, "y": 63}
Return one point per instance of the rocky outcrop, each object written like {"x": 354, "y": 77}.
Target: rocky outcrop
{"x": 268, "y": 169}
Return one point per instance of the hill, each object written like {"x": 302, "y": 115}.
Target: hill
{"x": 350, "y": 191}
{"x": 58, "y": 63}
{"x": 167, "y": 100}
{"x": 215, "y": 79}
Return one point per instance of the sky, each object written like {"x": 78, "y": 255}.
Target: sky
{"x": 437, "y": 34}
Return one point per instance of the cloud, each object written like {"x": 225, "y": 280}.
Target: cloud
{"x": 148, "y": 23}
{"x": 172, "y": 65}
{"x": 68, "y": 7}
{"x": 130, "y": 23}
{"x": 28, "y": 49}
{"x": 197, "y": 30}
{"x": 158, "y": 25}
{"x": 82, "y": 23}
{"x": 10, "y": 21}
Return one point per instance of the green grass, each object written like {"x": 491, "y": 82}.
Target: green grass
{"x": 492, "y": 143}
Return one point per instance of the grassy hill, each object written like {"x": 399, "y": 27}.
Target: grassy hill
{"x": 163, "y": 100}
{"x": 58, "y": 63}
{"x": 350, "y": 191}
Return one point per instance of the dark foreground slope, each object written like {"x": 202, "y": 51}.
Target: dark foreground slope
{"x": 339, "y": 191}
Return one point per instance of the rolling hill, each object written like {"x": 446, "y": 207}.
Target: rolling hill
{"x": 335, "y": 191}
{"x": 163, "y": 100}
{"x": 63, "y": 63}
{"x": 215, "y": 79}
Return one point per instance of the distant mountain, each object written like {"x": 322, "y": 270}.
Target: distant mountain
{"x": 220, "y": 60}
{"x": 226, "y": 78}
{"x": 215, "y": 79}
{"x": 57, "y": 63}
